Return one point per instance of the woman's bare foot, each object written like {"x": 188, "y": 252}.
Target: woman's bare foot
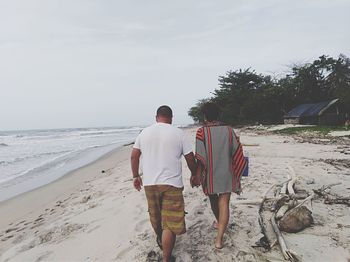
{"x": 218, "y": 244}
{"x": 215, "y": 225}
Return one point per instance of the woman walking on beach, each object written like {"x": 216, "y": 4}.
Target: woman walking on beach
{"x": 220, "y": 165}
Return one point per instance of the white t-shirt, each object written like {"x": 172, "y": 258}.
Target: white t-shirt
{"x": 162, "y": 146}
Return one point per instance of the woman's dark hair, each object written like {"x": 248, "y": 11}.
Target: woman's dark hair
{"x": 211, "y": 111}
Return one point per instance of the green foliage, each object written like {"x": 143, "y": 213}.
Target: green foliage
{"x": 246, "y": 96}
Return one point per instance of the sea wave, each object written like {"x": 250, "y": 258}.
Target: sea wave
{"x": 21, "y": 159}
{"x": 55, "y": 162}
{"x": 41, "y": 155}
{"x": 51, "y": 163}
{"x": 64, "y": 133}
{"x": 109, "y": 132}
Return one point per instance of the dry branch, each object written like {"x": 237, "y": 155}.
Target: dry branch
{"x": 284, "y": 188}
{"x": 287, "y": 254}
{"x": 283, "y": 209}
{"x": 291, "y": 182}
{"x": 248, "y": 202}
{"x": 304, "y": 201}
{"x": 322, "y": 191}
{"x": 261, "y": 220}
{"x": 339, "y": 200}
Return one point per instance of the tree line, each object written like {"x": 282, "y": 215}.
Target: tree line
{"x": 248, "y": 97}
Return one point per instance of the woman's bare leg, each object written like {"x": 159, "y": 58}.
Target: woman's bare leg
{"x": 214, "y": 204}
{"x": 224, "y": 215}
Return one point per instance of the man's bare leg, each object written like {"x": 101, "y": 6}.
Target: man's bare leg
{"x": 168, "y": 242}
{"x": 224, "y": 215}
{"x": 214, "y": 204}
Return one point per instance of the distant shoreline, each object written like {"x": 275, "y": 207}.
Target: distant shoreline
{"x": 11, "y": 189}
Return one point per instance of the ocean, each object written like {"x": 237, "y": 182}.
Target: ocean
{"x": 32, "y": 158}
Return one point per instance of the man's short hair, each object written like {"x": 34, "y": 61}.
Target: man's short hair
{"x": 165, "y": 111}
{"x": 211, "y": 111}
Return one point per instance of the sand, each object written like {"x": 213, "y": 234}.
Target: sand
{"x": 340, "y": 133}
{"x": 93, "y": 216}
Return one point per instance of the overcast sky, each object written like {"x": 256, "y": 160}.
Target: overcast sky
{"x": 83, "y": 63}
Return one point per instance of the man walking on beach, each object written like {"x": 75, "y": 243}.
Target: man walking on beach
{"x": 162, "y": 146}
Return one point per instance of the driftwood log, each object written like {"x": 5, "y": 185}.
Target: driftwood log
{"x": 281, "y": 201}
{"x": 287, "y": 253}
{"x": 269, "y": 238}
{"x": 283, "y": 209}
{"x": 284, "y": 205}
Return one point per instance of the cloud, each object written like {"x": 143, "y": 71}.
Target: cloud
{"x": 113, "y": 62}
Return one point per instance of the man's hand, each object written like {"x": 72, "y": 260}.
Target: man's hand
{"x": 195, "y": 181}
{"x": 137, "y": 181}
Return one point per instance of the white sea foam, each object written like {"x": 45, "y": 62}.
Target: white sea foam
{"x": 35, "y": 157}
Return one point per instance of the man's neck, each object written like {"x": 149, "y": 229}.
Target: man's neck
{"x": 164, "y": 120}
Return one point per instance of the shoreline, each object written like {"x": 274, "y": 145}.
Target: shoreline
{"x": 73, "y": 178}
{"x": 54, "y": 178}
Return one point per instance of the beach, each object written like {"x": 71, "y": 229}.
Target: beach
{"x": 95, "y": 214}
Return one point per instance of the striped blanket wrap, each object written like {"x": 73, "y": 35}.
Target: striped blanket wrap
{"x": 220, "y": 153}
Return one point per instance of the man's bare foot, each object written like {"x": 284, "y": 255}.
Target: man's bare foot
{"x": 215, "y": 225}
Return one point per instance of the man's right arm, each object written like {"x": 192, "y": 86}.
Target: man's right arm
{"x": 135, "y": 162}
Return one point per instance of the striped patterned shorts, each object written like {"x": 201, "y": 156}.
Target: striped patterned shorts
{"x": 166, "y": 208}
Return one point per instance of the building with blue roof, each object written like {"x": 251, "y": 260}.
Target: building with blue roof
{"x": 322, "y": 113}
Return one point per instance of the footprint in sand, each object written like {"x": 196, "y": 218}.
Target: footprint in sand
{"x": 195, "y": 212}
{"x": 21, "y": 229}
{"x": 39, "y": 220}
{"x": 7, "y": 238}
{"x": 36, "y": 225}
{"x": 19, "y": 238}
{"x": 153, "y": 256}
{"x": 10, "y": 230}
{"x": 44, "y": 256}
{"x": 140, "y": 225}
{"x": 125, "y": 190}
{"x": 140, "y": 209}
{"x": 122, "y": 253}
{"x": 65, "y": 200}
{"x": 144, "y": 236}
{"x": 93, "y": 229}
{"x": 20, "y": 222}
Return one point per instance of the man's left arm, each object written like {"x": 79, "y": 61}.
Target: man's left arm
{"x": 192, "y": 165}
